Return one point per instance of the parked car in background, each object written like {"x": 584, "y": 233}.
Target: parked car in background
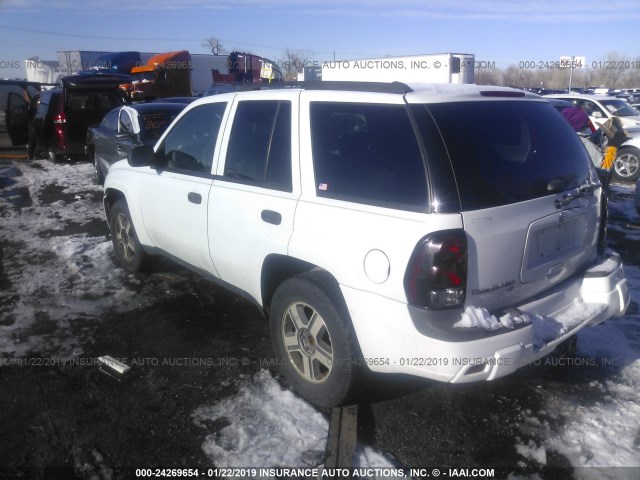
{"x": 15, "y": 96}
{"x": 626, "y": 166}
{"x": 218, "y": 89}
{"x": 125, "y": 127}
{"x": 602, "y": 107}
{"x": 185, "y": 100}
{"x": 64, "y": 114}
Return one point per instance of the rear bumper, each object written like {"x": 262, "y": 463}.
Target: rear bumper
{"x": 390, "y": 342}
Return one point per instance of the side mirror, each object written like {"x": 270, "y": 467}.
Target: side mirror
{"x": 597, "y": 115}
{"x": 142, "y": 156}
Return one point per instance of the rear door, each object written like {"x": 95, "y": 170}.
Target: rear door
{"x": 87, "y": 99}
{"x": 255, "y": 192}
{"x": 103, "y": 139}
{"x": 518, "y": 165}
{"x": 86, "y": 108}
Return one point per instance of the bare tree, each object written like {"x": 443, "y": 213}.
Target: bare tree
{"x": 213, "y": 44}
{"x": 294, "y": 62}
{"x": 633, "y": 76}
{"x": 612, "y": 69}
{"x": 488, "y": 76}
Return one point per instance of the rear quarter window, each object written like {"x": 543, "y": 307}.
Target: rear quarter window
{"x": 506, "y": 152}
{"x": 367, "y": 153}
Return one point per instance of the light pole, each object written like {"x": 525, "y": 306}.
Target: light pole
{"x": 571, "y": 71}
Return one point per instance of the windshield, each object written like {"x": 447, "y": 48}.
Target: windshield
{"x": 144, "y": 77}
{"x": 619, "y": 108}
{"x": 153, "y": 124}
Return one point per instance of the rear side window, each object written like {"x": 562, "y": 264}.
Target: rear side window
{"x": 259, "y": 150}
{"x": 367, "y": 153}
{"x": 509, "y": 151}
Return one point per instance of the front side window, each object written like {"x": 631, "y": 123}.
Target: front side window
{"x": 190, "y": 144}
{"x": 367, "y": 153}
{"x": 260, "y": 145}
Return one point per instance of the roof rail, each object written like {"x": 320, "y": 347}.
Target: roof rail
{"x": 375, "y": 87}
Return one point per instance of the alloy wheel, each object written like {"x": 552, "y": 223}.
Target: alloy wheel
{"x": 307, "y": 342}
{"x": 123, "y": 233}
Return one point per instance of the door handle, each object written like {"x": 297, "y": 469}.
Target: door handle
{"x": 195, "y": 198}
{"x": 270, "y": 216}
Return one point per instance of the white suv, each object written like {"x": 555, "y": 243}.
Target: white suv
{"x": 448, "y": 232}
{"x": 601, "y": 108}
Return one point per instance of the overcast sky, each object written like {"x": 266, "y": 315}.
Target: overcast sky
{"x": 500, "y": 31}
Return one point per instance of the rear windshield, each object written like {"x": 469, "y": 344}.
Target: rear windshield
{"x": 505, "y": 152}
{"x": 620, "y": 108}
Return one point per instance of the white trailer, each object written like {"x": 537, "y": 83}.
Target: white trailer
{"x": 431, "y": 68}
{"x": 202, "y": 66}
{"x": 42, "y": 71}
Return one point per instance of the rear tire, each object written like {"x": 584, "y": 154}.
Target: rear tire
{"x": 313, "y": 339}
{"x": 626, "y": 166}
{"x": 129, "y": 252}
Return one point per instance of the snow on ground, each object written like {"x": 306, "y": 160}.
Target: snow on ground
{"x": 58, "y": 276}
{"x": 267, "y": 425}
{"x": 605, "y": 431}
{"x": 53, "y": 276}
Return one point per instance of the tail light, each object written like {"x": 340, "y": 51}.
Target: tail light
{"x": 60, "y": 118}
{"x": 437, "y": 274}
{"x": 59, "y": 121}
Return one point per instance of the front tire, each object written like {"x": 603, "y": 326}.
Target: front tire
{"x": 626, "y": 166}
{"x": 313, "y": 339}
{"x": 129, "y": 252}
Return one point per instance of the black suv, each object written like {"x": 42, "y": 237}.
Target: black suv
{"x": 64, "y": 113}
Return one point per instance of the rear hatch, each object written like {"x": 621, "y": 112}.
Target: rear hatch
{"x": 87, "y": 100}
{"x": 529, "y": 196}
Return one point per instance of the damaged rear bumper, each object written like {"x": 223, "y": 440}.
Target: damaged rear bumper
{"x": 390, "y": 342}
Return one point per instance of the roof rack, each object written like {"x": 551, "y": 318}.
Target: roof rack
{"x": 374, "y": 87}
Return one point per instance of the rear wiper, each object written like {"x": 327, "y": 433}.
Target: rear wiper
{"x": 573, "y": 194}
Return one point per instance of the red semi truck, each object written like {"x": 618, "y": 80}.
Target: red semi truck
{"x": 179, "y": 73}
